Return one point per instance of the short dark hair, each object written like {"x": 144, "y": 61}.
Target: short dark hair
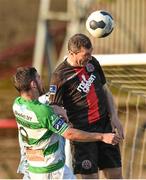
{"x": 77, "y": 41}
{"x": 23, "y": 77}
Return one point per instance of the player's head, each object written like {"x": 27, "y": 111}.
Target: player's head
{"x": 80, "y": 49}
{"x": 26, "y": 79}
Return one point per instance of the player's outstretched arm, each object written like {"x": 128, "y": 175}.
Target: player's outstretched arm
{"x": 82, "y": 136}
{"x": 115, "y": 122}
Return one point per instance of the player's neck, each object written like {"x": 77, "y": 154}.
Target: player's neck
{"x": 29, "y": 96}
{"x": 71, "y": 61}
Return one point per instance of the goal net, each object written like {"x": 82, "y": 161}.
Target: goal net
{"x": 126, "y": 78}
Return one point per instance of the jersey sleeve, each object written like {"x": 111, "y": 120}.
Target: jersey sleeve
{"x": 56, "y": 124}
{"x": 56, "y": 90}
{"x": 99, "y": 69}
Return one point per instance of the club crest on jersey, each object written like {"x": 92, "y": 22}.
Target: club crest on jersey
{"x": 58, "y": 124}
{"x": 53, "y": 89}
{"x": 90, "y": 67}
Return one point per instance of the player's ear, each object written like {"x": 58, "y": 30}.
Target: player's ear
{"x": 33, "y": 84}
{"x": 70, "y": 52}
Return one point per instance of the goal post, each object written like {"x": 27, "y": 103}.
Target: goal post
{"x": 121, "y": 59}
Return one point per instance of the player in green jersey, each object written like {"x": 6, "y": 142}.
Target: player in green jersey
{"x": 41, "y": 129}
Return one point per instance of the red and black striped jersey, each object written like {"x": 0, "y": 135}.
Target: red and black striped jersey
{"x": 80, "y": 91}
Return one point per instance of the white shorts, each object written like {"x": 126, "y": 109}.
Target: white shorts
{"x": 63, "y": 173}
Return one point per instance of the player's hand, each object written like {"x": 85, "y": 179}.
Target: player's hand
{"x": 60, "y": 111}
{"x": 117, "y": 127}
{"x": 111, "y": 138}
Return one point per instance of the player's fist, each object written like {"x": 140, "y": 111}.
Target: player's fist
{"x": 111, "y": 138}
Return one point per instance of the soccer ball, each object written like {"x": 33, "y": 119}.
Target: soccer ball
{"x": 100, "y": 24}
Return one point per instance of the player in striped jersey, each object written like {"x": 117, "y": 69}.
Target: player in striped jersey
{"x": 79, "y": 85}
{"x": 41, "y": 129}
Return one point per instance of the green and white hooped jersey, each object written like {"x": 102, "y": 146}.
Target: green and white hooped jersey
{"x": 40, "y": 129}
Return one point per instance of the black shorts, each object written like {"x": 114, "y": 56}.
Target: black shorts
{"x": 90, "y": 157}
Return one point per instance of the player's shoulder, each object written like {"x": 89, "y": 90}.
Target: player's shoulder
{"x": 60, "y": 67}
{"x": 95, "y": 62}
{"x": 60, "y": 71}
{"x": 40, "y": 105}
{"x": 17, "y": 99}
{"x": 16, "y": 103}
{"x": 44, "y": 109}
